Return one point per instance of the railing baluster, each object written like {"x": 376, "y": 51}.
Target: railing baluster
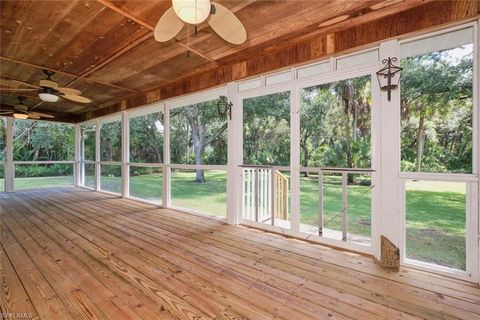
{"x": 255, "y": 192}
{"x": 344, "y": 206}
{"x": 320, "y": 203}
{"x": 274, "y": 198}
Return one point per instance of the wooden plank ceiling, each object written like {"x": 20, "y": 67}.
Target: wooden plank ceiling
{"x": 106, "y": 48}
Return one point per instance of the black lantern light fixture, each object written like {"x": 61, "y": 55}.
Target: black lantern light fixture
{"x": 224, "y": 107}
{"x": 389, "y": 76}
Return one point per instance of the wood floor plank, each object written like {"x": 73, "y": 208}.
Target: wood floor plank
{"x": 439, "y": 311}
{"x": 423, "y": 303}
{"x": 14, "y": 298}
{"x": 185, "y": 266}
{"x": 205, "y": 284}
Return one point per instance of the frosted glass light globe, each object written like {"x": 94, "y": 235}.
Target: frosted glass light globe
{"x": 48, "y": 97}
{"x": 192, "y": 11}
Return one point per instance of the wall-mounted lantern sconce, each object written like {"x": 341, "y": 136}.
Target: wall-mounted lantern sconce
{"x": 389, "y": 76}
{"x": 224, "y": 107}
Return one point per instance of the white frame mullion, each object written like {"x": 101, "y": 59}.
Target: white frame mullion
{"x": 166, "y": 192}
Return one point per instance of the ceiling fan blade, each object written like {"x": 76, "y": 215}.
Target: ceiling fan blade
{"x": 40, "y": 114}
{"x": 227, "y": 25}
{"x": 70, "y": 91}
{"x": 17, "y": 89}
{"x": 76, "y": 98}
{"x": 6, "y": 112}
{"x": 4, "y": 79}
{"x": 34, "y": 116}
{"x": 168, "y": 26}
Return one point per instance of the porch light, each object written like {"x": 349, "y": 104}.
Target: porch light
{"x": 389, "y": 76}
{"x": 192, "y": 11}
{"x": 224, "y": 108}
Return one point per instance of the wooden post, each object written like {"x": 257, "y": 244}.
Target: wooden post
{"x": 390, "y": 255}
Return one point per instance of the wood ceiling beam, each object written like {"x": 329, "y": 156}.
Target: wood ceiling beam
{"x": 148, "y": 26}
{"x": 36, "y": 66}
{"x": 426, "y": 16}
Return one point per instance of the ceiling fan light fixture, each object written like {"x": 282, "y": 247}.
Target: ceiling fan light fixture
{"x": 22, "y": 116}
{"x": 192, "y": 11}
{"x": 48, "y": 97}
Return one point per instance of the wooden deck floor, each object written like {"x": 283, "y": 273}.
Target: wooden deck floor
{"x": 75, "y": 254}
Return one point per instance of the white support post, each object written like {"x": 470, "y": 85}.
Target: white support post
{"x": 77, "y": 166}
{"x": 125, "y": 155}
{"x": 98, "y": 125}
{"x": 9, "y": 166}
{"x": 388, "y": 168}
{"x": 166, "y": 194}
{"x": 320, "y": 203}
{"x": 295, "y": 159}
{"x": 234, "y": 159}
{"x": 344, "y": 206}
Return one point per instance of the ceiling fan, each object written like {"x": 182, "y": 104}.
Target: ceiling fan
{"x": 21, "y": 111}
{"x": 49, "y": 91}
{"x": 194, "y": 12}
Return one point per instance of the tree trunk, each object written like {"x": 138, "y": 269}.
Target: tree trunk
{"x": 36, "y": 154}
{"x": 420, "y": 142}
{"x": 198, "y": 139}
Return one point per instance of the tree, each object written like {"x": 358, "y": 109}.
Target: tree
{"x": 435, "y": 88}
{"x": 194, "y": 129}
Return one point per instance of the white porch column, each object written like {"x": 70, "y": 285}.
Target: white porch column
{"x": 389, "y": 167}
{"x": 77, "y": 167}
{"x": 9, "y": 167}
{"x": 234, "y": 157}
{"x": 166, "y": 156}
{"x": 98, "y": 126}
{"x": 125, "y": 155}
{"x": 295, "y": 159}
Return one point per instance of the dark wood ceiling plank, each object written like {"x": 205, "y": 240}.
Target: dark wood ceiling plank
{"x": 36, "y": 66}
{"x": 423, "y": 17}
{"x": 150, "y": 27}
{"x": 91, "y": 47}
{"x": 172, "y": 68}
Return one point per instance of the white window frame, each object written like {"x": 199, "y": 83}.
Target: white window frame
{"x": 471, "y": 180}
{"x": 385, "y": 150}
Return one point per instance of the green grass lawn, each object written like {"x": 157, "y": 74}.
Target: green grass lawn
{"x": 435, "y": 210}
{"x": 358, "y": 199}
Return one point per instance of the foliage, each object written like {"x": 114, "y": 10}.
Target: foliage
{"x": 266, "y": 130}
{"x": 43, "y": 170}
{"x": 146, "y": 138}
{"x": 42, "y": 141}
{"x": 111, "y": 141}
{"x": 436, "y": 110}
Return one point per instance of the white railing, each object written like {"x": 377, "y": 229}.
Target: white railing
{"x": 322, "y": 228}
{"x": 264, "y": 194}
